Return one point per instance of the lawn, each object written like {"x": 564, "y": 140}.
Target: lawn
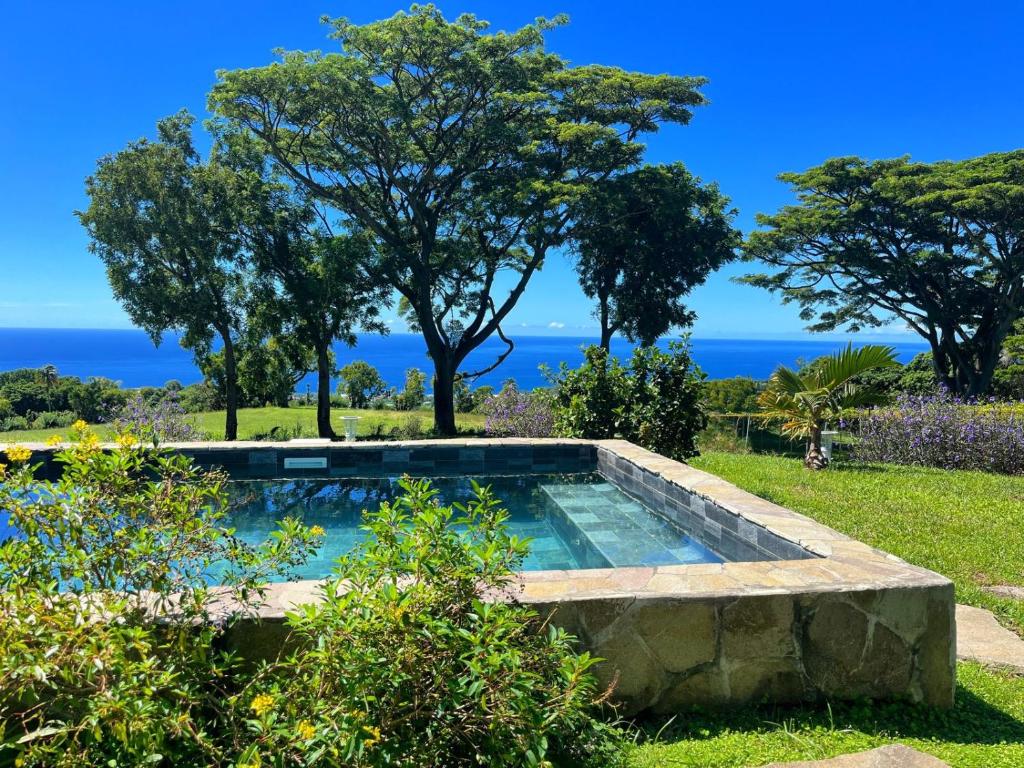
{"x": 296, "y": 419}
{"x": 966, "y": 525}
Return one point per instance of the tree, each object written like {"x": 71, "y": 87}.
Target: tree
{"x": 268, "y": 372}
{"x": 414, "y": 393}
{"x": 50, "y": 377}
{"x": 1008, "y": 380}
{"x": 360, "y": 382}
{"x": 939, "y": 246}
{"x": 460, "y": 152}
{"x": 823, "y": 393}
{"x": 315, "y": 287}
{"x": 167, "y": 227}
{"x": 643, "y": 240}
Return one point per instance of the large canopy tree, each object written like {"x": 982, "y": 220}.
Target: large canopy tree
{"x": 166, "y": 224}
{"x": 643, "y": 240}
{"x": 460, "y": 151}
{"x": 939, "y": 246}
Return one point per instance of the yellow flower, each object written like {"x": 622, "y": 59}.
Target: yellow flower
{"x": 305, "y": 730}
{"x": 374, "y": 735}
{"x": 88, "y": 443}
{"x": 80, "y": 426}
{"x": 3, "y": 471}
{"x": 126, "y": 440}
{"x": 262, "y": 704}
{"x": 54, "y": 440}
{"x": 316, "y": 530}
{"x": 18, "y": 454}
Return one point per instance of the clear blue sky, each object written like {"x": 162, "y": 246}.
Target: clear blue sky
{"x": 792, "y": 83}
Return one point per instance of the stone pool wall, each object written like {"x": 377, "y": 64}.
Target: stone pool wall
{"x": 804, "y": 613}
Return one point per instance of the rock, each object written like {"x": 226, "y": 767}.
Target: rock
{"x": 892, "y": 756}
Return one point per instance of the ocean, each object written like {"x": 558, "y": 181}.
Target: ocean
{"x": 130, "y": 357}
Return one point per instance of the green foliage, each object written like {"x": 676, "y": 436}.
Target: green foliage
{"x": 29, "y": 392}
{"x": 657, "y": 401}
{"x": 460, "y": 152}
{"x": 1008, "y": 380}
{"x": 199, "y": 397}
{"x": 471, "y": 400}
{"x": 411, "y": 660}
{"x": 414, "y": 393}
{"x": 735, "y": 395}
{"x": 361, "y": 383}
{"x": 643, "y": 240}
{"x": 111, "y": 636}
{"x": 935, "y": 245}
{"x": 821, "y": 393}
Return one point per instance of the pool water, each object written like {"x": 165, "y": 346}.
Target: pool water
{"x": 573, "y": 521}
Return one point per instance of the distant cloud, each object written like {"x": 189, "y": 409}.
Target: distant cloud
{"x": 556, "y": 324}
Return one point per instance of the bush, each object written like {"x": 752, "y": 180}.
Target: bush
{"x": 656, "y": 402}
{"x": 51, "y": 419}
{"x": 735, "y": 395}
{"x": 13, "y": 423}
{"x": 111, "y": 651}
{"x": 160, "y": 422}
{"x": 196, "y": 398}
{"x": 414, "y": 393}
{"x": 944, "y": 431}
{"x": 414, "y": 663}
{"x": 513, "y": 413}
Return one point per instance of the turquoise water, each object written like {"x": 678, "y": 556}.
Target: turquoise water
{"x": 574, "y": 521}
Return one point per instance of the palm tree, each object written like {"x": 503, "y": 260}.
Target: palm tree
{"x": 825, "y": 392}
{"x": 50, "y": 377}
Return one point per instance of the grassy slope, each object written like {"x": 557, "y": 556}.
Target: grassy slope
{"x": 967, "y": 525}
{"x": 256, "y": 420}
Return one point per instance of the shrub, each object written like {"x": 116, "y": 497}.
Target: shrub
{"x": 735, "y": 395}
{"x": 415, "y": 663}
{"x": 111, "y": 636}
{"x": 163, "y": 421}
{"x": 196, "y": 398}
{"x": 513, "y": 413}
{"x": 657, "y": 401}
{"x": 51, "y": 419}
{"x": 415, "y": 391}
{"x": 13, "y": 423}
{"x": 944, "y": 431}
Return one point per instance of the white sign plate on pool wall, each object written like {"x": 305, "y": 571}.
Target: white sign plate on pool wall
{"x": 315, "y": 462}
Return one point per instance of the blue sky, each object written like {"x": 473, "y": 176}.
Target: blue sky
{"x": 792, "y": 83}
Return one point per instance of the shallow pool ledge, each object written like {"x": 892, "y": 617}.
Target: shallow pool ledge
{"x": 813, "y": 615}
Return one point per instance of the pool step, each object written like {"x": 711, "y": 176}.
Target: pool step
{"x": 621, "y": 530}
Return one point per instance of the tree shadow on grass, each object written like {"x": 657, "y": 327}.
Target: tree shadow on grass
{"x": 972, "y": 721}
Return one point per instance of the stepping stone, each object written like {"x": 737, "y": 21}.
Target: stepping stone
{"x": 980, "y": 637}
{"x": 892, "y": 756}
{"x": 1006, "y": 590}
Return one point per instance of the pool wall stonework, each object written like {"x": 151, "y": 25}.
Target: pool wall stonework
{"x": 804, "y": 613}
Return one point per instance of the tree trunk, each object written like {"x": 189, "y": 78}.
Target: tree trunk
{"x": 230, "y": 388}
{"x": 323, "y": 392}
{"x": 606, "y": 329}
{"x": 815, "y": 458}
{"x": 444, "y": 397}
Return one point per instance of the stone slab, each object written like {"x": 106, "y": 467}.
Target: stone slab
{"x": 981, "y": 638}
{"x": 892, "y": 756}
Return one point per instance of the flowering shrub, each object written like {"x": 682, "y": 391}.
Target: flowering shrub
{"x": 514, "y": 413}
{"x": 945, "y": 431}
{"x": 414, "y": 662}
{"x": 112, "y": 640}
{"x": 163, "y": 421}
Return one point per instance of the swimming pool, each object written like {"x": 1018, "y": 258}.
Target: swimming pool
{"x": 574, "y": 521}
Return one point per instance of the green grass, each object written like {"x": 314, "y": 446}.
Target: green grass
{"x": 252, "y": 421}
{"x": 966, "y": 525}
{"x": 984, "y": 730}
